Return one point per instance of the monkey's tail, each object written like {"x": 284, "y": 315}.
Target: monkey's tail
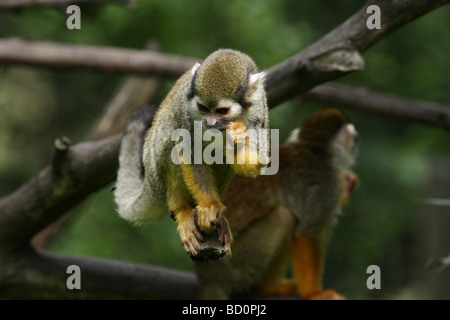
{"x": 131, "y": 201}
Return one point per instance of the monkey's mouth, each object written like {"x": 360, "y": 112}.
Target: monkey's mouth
{"x": 221, "y": 128}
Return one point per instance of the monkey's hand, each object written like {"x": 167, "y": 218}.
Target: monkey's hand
{"x": 209, "y": 215}
{"x": 237, "y": 130}
{"x": 189, "y": 234}
{"x": 350, "y": 184}
{"x": 246, "y": 160}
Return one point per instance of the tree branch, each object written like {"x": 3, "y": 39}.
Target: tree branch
{"x": 135, "y": 92}
{"x": 42, "y": 275}
{"x": 106, "y": 59}
{"x": 334, "y": 55}
{"x": 75, "y": 172}
{"x": 338, "y": 52}
{"x": 13, "y": 4}
{"x": 382, "y": 104}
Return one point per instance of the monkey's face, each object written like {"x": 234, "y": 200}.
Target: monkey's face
{"x": 224, "y": 87}
{"x": 219, "y": 116}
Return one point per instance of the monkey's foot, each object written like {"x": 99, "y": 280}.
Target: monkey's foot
{"x": 209, "y": 215}
{"x": 190, "y": 235}
{"x": 327, "y": 295}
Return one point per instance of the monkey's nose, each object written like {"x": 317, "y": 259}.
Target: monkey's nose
{"x": 211, "y": 121}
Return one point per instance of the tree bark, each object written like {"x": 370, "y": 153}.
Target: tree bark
{"x": 74, "y": 173}
{"x": 381, "y": 104}
{"x": 105, "y": 59}
{"x": 35, "y": 274}
{"x": 339, "y": 52}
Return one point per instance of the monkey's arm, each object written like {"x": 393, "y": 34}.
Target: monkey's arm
{"x": 309, "y": 251}
{"x": 199, "y": 179}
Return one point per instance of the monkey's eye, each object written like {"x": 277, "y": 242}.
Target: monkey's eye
{"x": 223, "y": 110}
{"x": 202, "y": 108}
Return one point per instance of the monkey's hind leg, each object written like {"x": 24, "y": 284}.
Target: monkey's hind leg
{"x": 307, "y": 262}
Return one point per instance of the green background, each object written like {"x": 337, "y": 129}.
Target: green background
{"x": 400, "y": 164}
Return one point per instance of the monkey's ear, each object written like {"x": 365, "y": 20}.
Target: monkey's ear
{"x": 347, "y": 136}
{"x": 255, "y": 82}
{"x": 194, "y": 68}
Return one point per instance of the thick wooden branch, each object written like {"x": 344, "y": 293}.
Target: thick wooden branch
{"x": 13, "y": 4}
{"x": 338, "y": 52}
{"x": 381, "y": 104}
{"x": 106, "y": 59}
{"x": 41, "y": 275}
{"x": 74, "y": 173}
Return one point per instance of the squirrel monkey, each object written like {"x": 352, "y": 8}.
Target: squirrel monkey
{"x": 288, "y": 215}
{"x": 226, "y": 94}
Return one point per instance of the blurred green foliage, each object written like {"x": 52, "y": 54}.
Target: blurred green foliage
{"x": 382, "y": 223}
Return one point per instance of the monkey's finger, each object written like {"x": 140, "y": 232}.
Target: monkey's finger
{"x": 196, "y": 229}
{"x": 186, "y": 247}
{"x": 196, "y": 245}
{"x": 198, "y": 235}
{"x": 224, "y": 236}
{"x": 191, "y": 248}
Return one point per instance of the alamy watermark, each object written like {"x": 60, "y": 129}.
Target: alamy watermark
{"x": 74, "y": 280}
{"x": 374, "y": 21}
{"x": 212, "y": 146}
{"x": 74, "y": 20}
{"x": 374, "y": 280}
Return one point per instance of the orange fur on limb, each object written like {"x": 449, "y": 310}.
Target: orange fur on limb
{"x": 307, "y": 265}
